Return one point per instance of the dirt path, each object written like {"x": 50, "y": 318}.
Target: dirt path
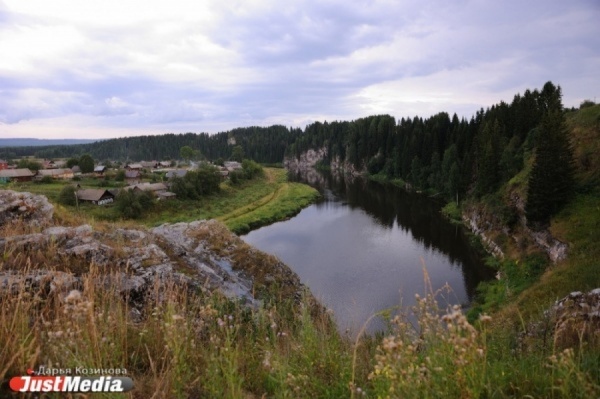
{"x": 256, "y": 204}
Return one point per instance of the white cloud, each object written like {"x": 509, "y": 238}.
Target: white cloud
{"x": 461, "y": 91}
{"x": 156, "y": 66}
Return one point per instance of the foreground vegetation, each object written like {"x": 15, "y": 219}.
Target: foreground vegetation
{"x": 186, "y": 344}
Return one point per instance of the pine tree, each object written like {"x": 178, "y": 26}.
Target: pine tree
{"x": 551, "y": 182}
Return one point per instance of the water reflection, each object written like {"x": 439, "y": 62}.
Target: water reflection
{"x": 361, "y": 248}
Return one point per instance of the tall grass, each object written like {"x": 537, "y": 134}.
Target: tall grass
{"x": 184, "y": 344}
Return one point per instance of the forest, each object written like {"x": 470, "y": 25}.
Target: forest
{"x": 263, "y": 144}
{"x": 462, "y": 157}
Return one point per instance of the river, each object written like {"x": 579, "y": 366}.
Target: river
{"x": 364, "y": 246}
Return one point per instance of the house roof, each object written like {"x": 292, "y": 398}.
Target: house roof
{"x": 54, "y": 172}
{"x": 176, "y": 173}
{"x": 148, "y": 164}
{"x": 135, "y": 166}
{"x": 76, "y": 169}
{"x": 151, "y": 186}
{"x": 92, "y": 194}
{"x": 100, "y": 168}
{"x": 131, "y": 174}
{"x": 16, "y": 173}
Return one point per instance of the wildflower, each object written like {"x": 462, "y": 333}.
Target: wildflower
{"x": 73, "y": 296}
{"x": 267, "y": 360}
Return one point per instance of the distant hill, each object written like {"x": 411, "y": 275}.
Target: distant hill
{"x": 27, "y": 142}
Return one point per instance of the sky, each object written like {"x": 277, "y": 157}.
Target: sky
{"x": 114, "y": 68}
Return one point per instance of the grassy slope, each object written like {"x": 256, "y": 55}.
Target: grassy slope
{"x": 578, "y": 224}
{"x": 252, "y": 204}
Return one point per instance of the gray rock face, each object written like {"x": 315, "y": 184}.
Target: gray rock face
{"x": 484, "y": 225}
{"x": 202, "y": 255}
{"x": 34, "y": 209}
{"x": 474, "y": 221}
{"x": 571, "y": 322}
{"x": 576, "y": 317}
{"x": 556, "y": 249}
{"x": 307, "y": 160}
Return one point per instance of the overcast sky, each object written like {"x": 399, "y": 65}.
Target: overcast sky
{"x": 111, "y": 68}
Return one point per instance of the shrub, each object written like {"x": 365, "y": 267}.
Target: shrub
{"x": 120, "y": 175}
{"x": 586, "y": 104}
{"x": 67, "y": 195}
{"x": 251, "y": 169}
{"x": 196, "y": 183}
{"x": 132, "y": 204}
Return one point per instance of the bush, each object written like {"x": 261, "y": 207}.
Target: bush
{"x": 586, "y": 104}
{"x": 46, "y": 180}
{"x": 120, "y": 175}
{"x": 29, "y": 164}
{"x": 252, "y": 169}
{"x": 196, "y": 183}
{"x": 236, "y": 176}
{"x": 132, "y": 204}
{"x": 67, "y": 195}
{"x": 452, "y": 212}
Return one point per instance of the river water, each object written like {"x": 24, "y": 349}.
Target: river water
{"x": 364, "y": 247}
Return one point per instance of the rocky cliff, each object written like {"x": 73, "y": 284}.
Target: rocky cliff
{"x": 308, "y": 161}
{"x": 488, "y": 225}
{"x": 202, "y": 255}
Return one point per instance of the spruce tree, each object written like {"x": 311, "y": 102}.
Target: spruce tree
{"x": 551, "y": 182}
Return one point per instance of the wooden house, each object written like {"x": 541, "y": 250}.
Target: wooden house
{"x": 153, "y": 187}
{"x": 99, "y": 170}
{"x": 149, "y": 164}
{"x": 63, "y": 174}
{"x": 133, "y": 177}
{"x": 18, "y": 175}
{"x": 232, "y": 165}
{"x": 134, "y": 166}
{"x": 176, "y": 173}
{"x": 96, "y": 196}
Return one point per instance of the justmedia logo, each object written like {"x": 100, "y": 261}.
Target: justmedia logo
{"x": 69, "y": 383}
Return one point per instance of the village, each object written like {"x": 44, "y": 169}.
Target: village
{"x": 103, "y": 184}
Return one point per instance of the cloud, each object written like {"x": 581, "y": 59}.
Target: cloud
{"x": 214, "y": 65}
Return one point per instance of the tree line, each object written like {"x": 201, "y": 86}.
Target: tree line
{"x": 262, "y": 144}
{"x": 460, "y": 157}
